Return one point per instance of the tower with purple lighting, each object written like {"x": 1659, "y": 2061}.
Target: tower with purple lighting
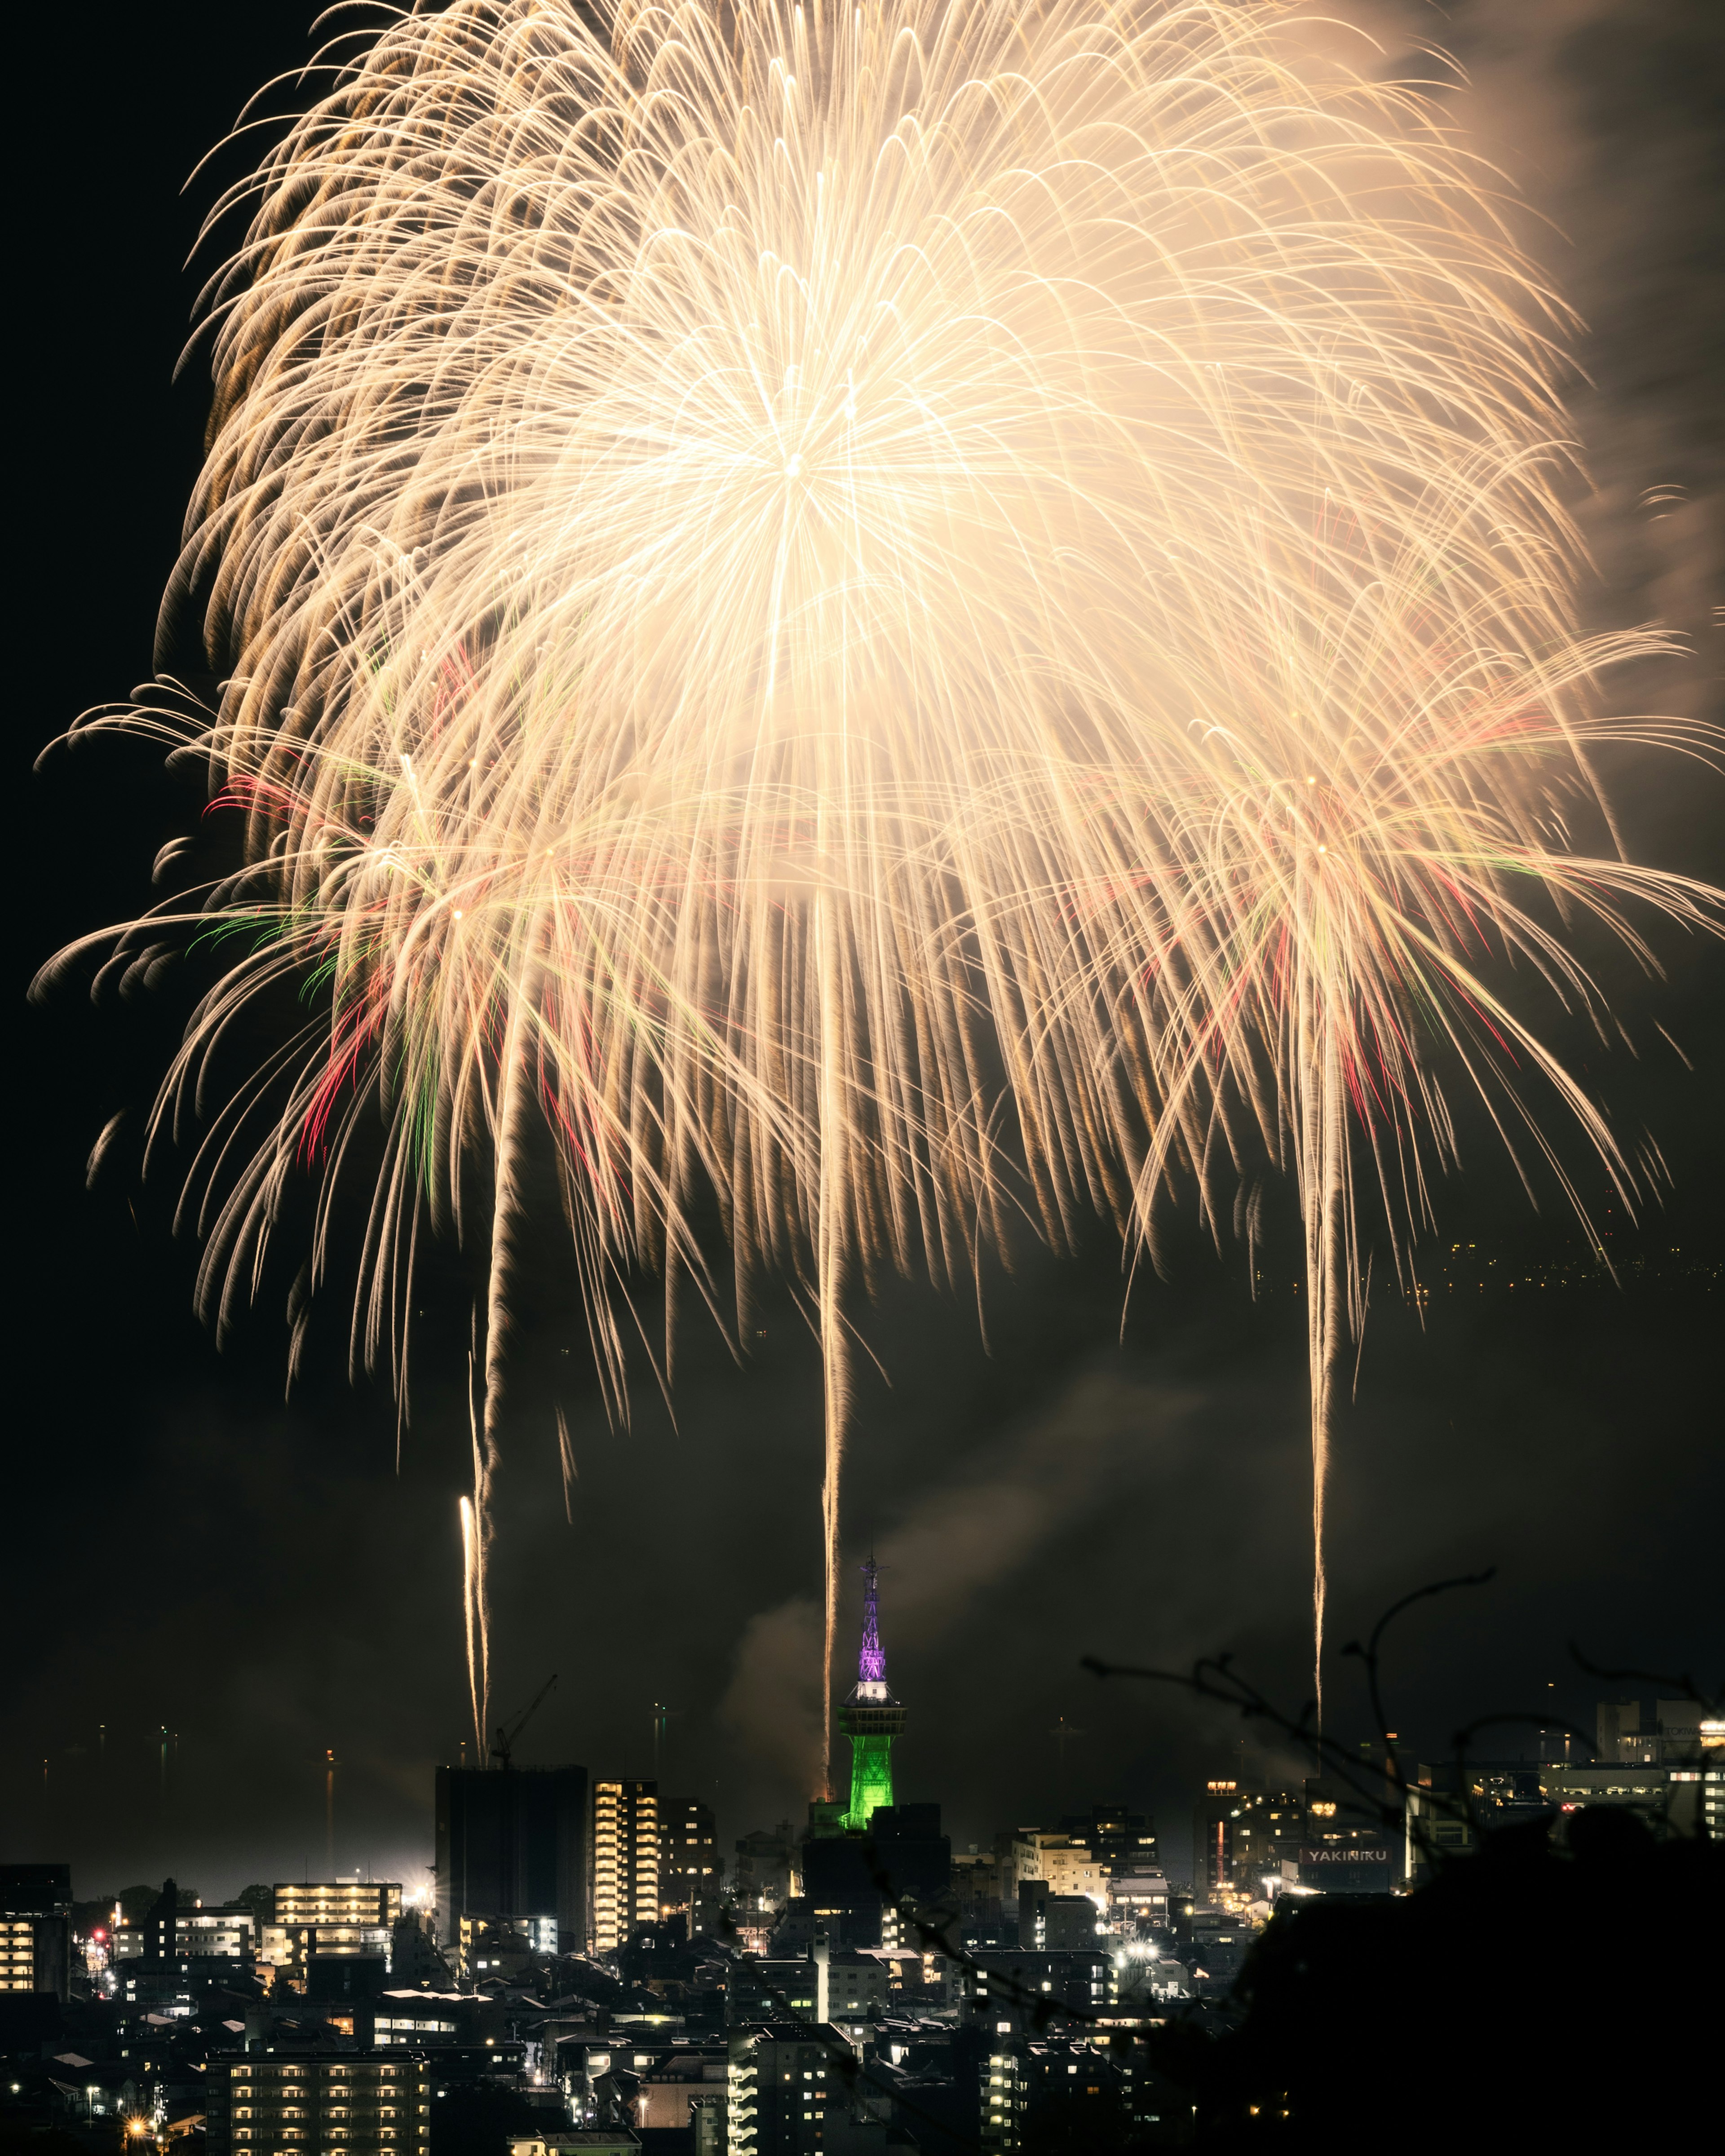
{"x": 871, "y": 1718}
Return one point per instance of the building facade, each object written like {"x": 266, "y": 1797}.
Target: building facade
{"x": 511, "y": 1842}
{"x": 690, "y": 1874}
{"x": 36, "y": 1928}
{"x": 625, "y": 1844}
{"x": 784, "y": 2093}
{"x": 364, "y": 2103}
{"x": 326, "y": 1919}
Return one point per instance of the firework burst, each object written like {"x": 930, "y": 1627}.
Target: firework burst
{"x": 906, "y": 615}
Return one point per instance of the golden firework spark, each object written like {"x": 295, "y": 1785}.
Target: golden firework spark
{"x": 894, "y": 612}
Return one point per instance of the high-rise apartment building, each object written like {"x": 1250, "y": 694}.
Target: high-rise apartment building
{"x": 361, "y": 2103}
{"x": 626, "y": 1861}
{"x": 512, "y": 1843}
{"x": 690, "y": 1872}
{"x": 36, "y": 1927}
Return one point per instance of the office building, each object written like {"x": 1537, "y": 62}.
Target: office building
{"x": 511, "y": 1842}
{"x": 362, "y": 2103}
{"x": 625, "y": 1844}
{"x": 36, "y": 1928}
{"x": 222, "y": 1931}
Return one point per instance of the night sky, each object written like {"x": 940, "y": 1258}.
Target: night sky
{"x": 185, "y": 1548}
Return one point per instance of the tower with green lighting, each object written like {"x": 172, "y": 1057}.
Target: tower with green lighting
{"x": 871, "y": 1718}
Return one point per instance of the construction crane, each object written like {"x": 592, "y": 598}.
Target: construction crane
{"x": 507, "y": 1733}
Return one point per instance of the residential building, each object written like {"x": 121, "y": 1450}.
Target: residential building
{"x": 671, "y": 2085}
{"x": 690, "y": 1876}
{"x": 762, "y": 1989}
{"x": 625, "y": 1845}
{"x": 1138, "y": 1899}
{"x": 363, "y": 2103}
{"x": 1062, "y": 1923}
{"x": 1116, "y": 1836}
{"x": 976, "y": 1883}
{"x": 511, "y": 1842}
{"x": 1017, "y": 1986}
{"x": 1005, "y": 2093}
{"x": 36, "y": 1927}
{"x": 224, "y": 1931}
{"x": 411, "y": 2019}
{"x": 784, "y": 2095}
{"x": 1066, "y": 1864}
{"x": 327, "y": 1919}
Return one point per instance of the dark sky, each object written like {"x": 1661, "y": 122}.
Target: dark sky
{"x": 183, "y": 1549}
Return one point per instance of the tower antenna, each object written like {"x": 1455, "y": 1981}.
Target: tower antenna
{"x": 871, "y": 1717}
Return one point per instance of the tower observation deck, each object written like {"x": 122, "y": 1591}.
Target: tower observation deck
{"x": 871, "y": 1717}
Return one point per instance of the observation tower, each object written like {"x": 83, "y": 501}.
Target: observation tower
{"x": 871, "y": 1718}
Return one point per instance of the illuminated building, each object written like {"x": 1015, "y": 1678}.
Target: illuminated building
{"x": 1116, "y": 1836}
{"x": 1243, "y": 1832}
{"x": 36, "y": 1927}
{"x": 223, "y": 1931}
{"x": 1343, "y": 1848}
{"x": 1023, "y": 1988}
{"x": 1057, "y": 1922}
{"x": 510, "y": 1844}
{"x": 689, "y": 1868}
{"x": 784, "y": 2097}
{"x": 329, "y": 1919}
{"x": 625, "y": 1861}
{"x": 364, "y": 2103}
{"x": 871, "y": 1718}
{"x": 500, "y": 1946}
{"x": 1065, "y": 1865}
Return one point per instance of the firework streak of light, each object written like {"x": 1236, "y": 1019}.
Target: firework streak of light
{"x": 910, "y": 616}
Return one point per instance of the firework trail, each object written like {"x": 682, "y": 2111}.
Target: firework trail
{"x": 906, "y": 615}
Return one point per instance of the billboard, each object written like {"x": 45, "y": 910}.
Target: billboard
{"x": 1363, "y": 1864}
